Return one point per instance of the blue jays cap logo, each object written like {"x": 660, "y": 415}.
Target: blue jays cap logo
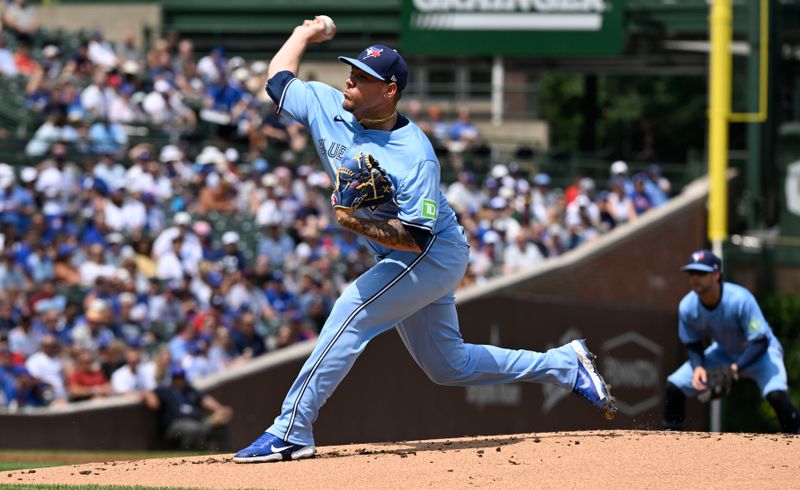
{"x": 703, "y": 261}
{"x": 372, "y": 52}
{"x": 698, "y": 256}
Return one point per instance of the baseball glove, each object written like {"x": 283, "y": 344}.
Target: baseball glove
{"x": 361, "y": 182}
{"x": 719, "y": 382}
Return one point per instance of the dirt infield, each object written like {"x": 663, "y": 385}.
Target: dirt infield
{"x": 600, "y": 459}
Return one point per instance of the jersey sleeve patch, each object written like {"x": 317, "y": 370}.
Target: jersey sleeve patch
{"x": 429, "y": 209}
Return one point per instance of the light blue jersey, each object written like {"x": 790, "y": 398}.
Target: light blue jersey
{"x": 405, "y": 153}
{"x": 733, "y": 323}
{"x": 411, "y": 292}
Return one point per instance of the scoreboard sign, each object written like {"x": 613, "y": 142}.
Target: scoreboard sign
{"x": 512, "y": 27}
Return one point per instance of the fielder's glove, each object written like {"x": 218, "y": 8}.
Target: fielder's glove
{"x": 361, "y": 182}
{"x": 719, "y": 382}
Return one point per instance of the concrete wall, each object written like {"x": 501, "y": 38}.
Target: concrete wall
{"x": 114, "y": 20}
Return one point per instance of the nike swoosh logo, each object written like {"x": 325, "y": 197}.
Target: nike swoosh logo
{"x": 338, "y": 119}
{"x": 279, "y": 449}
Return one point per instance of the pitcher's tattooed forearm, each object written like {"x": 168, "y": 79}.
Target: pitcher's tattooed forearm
{"x": 389, "y": 233}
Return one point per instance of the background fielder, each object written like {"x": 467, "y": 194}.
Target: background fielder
{"x": 421, "y": 253}
{"x": 742, "y": 343}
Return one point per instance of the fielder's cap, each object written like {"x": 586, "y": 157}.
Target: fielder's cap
{"x": 383, "y": 63}
{"x": 703, "y": 261}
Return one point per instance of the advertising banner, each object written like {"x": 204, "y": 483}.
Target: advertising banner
{"x": 512, "y": 27}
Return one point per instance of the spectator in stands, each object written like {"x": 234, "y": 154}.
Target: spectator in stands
{"x": 22, "y": 19}
{"x": 8, "y": 67}
{"x": 620, "y": 204}
{"x": 189, "y": 419}
{"x": 78, "y": 64}
{"x": 58, "y": 178}
{"x": 464, "y": 194}
{"x": 462, "y": 133}
{"x": 294, "y": 330}
{"x": 25, "y": 391}
{"x": 170, "y": 265}
{"x": 657, "y": 187}
{"x": 95, "y": 265}
{"x": 107, "y": 138}
{"x": 619, "y": 170}
{"x": 218, "y": 194}
{"x": 212, "y": 66}
{"x": 129, "y": 322}
{"x": 582, "y": 218}
{"x": 47, "y": 366}
{"x": 136, "y": 376}
{"x": 191, "y": 250}
{"x": 55, "y": 129}
{"x": 24, "y": 339}
{"x": 91, "y": 331}
{"x": 51, "y": 63}
{"x": 197, "y": 362}
{"x": 101, "y": 52}
{"x": 435, "y": 127}
{"x": 109, "y": 170}
{"x": 232, "y": 259}
{"x": 521, "y": 254}
{"x": 607, "y": 221}
{"x": 86, "y": 380}
{"x": 248, "y": 342}
{"x": 641, "y": 201}
{"x": 26, "y": 64}
{"x": 542, "y": 199}
{"x": 64, "y": 271}
{"x": 96, "y": 99}
{"x": 127, "y": 50}
{"x": 8, "y": 382}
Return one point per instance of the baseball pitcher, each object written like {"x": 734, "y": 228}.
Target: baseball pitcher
{"x": 388, "y": 192}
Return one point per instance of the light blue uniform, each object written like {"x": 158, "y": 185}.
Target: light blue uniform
{"x": 733, "y": 324}
{"x": 412, "y": 292}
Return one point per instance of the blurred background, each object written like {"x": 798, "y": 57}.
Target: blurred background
{"x": 161, "y": 221}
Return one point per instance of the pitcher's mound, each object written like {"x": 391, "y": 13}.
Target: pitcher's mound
{"x": 596, "y": 459}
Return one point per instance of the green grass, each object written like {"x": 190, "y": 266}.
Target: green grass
{"x": 16, "y": 465}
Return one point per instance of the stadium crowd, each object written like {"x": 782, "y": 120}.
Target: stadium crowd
{"x": 121, "y": 261}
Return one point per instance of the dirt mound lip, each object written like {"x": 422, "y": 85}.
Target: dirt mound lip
{"x": 631, "y": 459}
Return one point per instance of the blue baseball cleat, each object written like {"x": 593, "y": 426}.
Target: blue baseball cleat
{"x": 590, "y": 384}
{"x": 268, "y": 448}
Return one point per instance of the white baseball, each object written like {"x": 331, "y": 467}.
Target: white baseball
{"x": 329, "y": 25}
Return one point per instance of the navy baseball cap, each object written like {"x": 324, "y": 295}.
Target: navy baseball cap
{"x": 703, "y": 261}
{"x": 383, "y": 63}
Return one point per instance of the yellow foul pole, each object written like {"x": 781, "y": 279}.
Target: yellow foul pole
{"x": 718, "y": 116}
